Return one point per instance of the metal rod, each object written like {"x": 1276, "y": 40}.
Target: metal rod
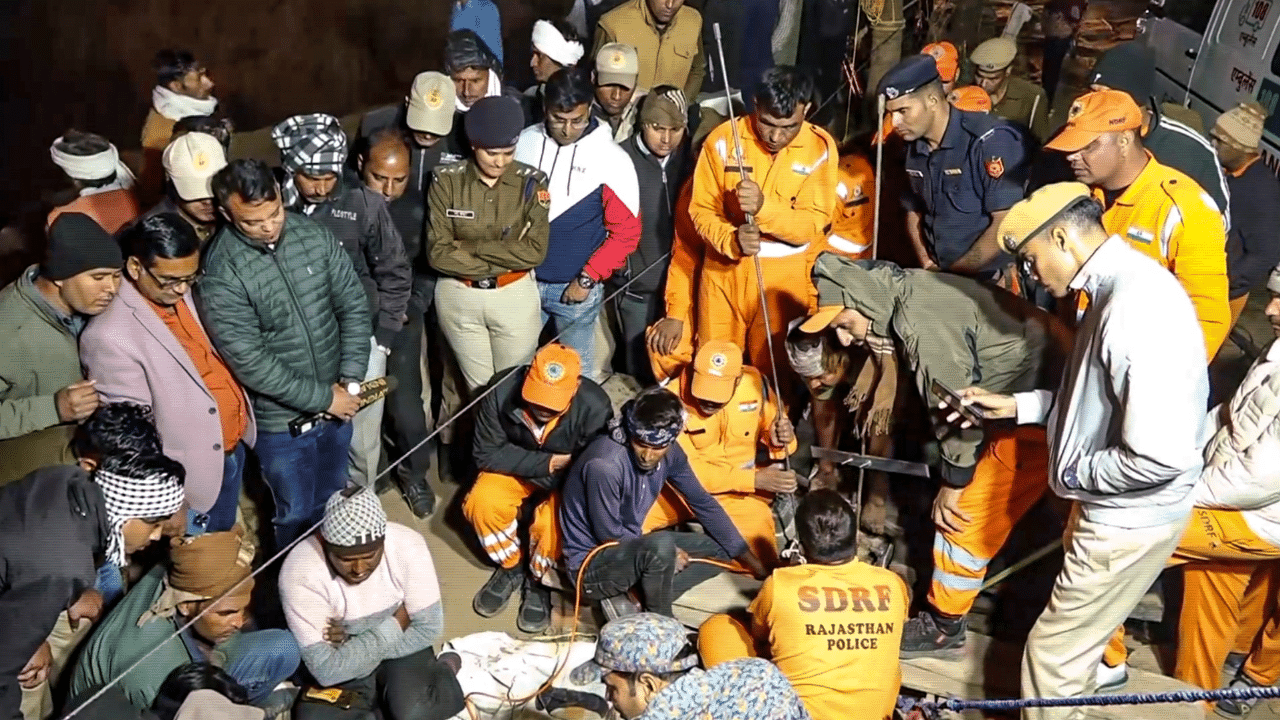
{"x": 875, "y": 231}
{"x": 742, "y": 172}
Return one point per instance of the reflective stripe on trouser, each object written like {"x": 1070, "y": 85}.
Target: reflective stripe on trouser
{"x": 728, "y": 306}
{"x": 722, "y": 638}
{"x": 1221, "y": 555}
{"x": 493, "y": 509}
{"x": 751, "y": 514}
{"x": 546, "y": 550}
{"x": 1009, "y": 479}
{"x": 1105, "y": 571}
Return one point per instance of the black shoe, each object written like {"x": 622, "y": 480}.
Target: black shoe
{"x": 555, "y": 698}
{"x": 925, "y": 634}
{"x": 496, "y": 592}
{"x": 1235, "y": 660}
{"x": 535, "y": 608}
{"x": 620, "y": 606}
{"x": 444, "y": 462}
{"x": 1237, "y": 708}
{"x": 420, "y": 497}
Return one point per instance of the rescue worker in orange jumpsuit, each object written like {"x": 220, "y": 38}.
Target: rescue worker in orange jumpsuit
{"x": 774, "y": 210}
{"x": 731, "y": 414}
{"x": 1161, "y": 212}
{"x": 853, "y": 220}
{"x": 528, "y": 431}
{"x": 670, "y": 340}
{"x": 831, "y": 625}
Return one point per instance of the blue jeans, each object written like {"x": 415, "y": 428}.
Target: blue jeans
{"x": 222, "y": 516}
{"x": 576, "y": 324}
{"x": 261, "y": 660}
{"x": 303, "y": 473}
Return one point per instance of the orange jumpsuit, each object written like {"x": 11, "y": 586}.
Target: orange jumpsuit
{"x": 722, "y": 452}
{"x": 853, "y": 221}
{"x": 1167, "y": 216}
{"x": 681, "y": 288}
{"x": 833, "y": 630}
{"x": 798, "y": 184}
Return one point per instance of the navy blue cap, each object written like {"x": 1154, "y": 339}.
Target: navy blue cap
{"x": 912, "y": 73}
{"x": 494, "y": 122}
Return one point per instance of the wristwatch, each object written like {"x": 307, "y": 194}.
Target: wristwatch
{"x": 585, "y": 281}
{"x": 353, "y": 388}
{"x": 1070, "y": 477}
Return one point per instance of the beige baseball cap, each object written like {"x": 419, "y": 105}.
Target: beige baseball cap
{"x": 191, "y": 161}
{"x": 617, "y": 64}
{"x": 431, "y": 104}
{"x": 994, "y": 54}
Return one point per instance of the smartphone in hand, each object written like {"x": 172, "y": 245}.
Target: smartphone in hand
{"x": 972, "y": 413}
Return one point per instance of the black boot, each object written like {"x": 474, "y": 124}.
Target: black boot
{"x": 444, "y": 463}
{"x": 419, "y": 496}
{"x": 927, "y": 633}
{"x": 535, "y": 607}
{"x": 555, "y": 698}
{"x": 496, "y": 592}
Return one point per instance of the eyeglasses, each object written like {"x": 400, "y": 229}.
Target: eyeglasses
{"x": 171, "y": 283}
{"x": 578, "y": 123}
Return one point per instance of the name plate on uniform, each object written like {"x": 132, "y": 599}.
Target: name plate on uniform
{"x": 462, "y": 214}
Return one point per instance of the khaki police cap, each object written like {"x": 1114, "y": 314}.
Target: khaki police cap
{"x": 1031, "y": 216}
{"x": 431, "y": 104}
{"x": 617, "y": 64}
{"x": 994, "y": 54}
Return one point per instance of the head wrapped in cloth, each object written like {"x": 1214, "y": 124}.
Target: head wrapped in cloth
{"x": 137, "y": 487}
{"x": 90, "y": 158}
{"x": 550, "y": 42}
{"x": 804, "y": 350}
{"x": 654, "y": 429}
{"x": 203, "y": 568}
{"x": 665, "y": 108}
{"x": 353, "y": 517}
{"x": 313, "y": 145}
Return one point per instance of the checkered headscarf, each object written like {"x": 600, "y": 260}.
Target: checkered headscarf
{"x": 314, "y": 144}
{"x": 355, "y": 520}
{"x": 137, "y": 486}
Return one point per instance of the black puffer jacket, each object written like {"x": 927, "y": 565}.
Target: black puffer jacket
{"x": 289, "y": 321}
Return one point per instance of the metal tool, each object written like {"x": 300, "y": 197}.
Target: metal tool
{"x": 871, "y": 462}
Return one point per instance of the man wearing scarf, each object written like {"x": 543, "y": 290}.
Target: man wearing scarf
{"x": 476, "y": 74}
{"x": 104, "y": 185}
{"x": 313, "y": 149}
{"x": 56, "y": 526}
{"x": 555, "y": 46}
{"x": 363, "y": 599}
{"x": 183, "y": 89}
{"x": 611, "y": 489}
{"x": 208, "y": 580}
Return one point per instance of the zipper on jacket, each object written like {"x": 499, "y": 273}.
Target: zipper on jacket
{"x": 311, "y": 344}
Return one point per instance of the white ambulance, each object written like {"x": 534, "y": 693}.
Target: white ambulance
{"x": 1212, "y": 55}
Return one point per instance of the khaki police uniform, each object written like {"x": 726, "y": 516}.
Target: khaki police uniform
{"x": 486, "y": 241}
{"x": 1024, "y": 102}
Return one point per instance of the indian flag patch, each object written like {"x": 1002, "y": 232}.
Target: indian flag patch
{"x": 748, "y": 406}
{"x": 1137, "y": 234}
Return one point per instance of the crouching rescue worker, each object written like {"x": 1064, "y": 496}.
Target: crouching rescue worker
{"x": 831, "y": 625}
{"x": 990, "y": 479}
{"x": 528, "y": 430}
{"x": 610, "y": 491}
{"x": 649, "y": 666}
{"x": 730, "y": 414}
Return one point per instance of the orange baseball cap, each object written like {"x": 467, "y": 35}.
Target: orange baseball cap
{"x": 552, "y": 379}
{"x": 1095, "y": 114}
{"x": 971, "y": 98}
{"x": 716, "y": 369}
{"x": 947, "y": 58}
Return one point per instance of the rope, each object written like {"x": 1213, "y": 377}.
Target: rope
{"x": 931, "y": 707}
{"x": 209, "y": 604}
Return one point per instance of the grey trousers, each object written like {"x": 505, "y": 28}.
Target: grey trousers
{"x": 414, "y": 687}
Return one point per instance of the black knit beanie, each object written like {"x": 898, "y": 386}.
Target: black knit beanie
{"x": 78, "y": 244}
{"x": 1129, "y": 67}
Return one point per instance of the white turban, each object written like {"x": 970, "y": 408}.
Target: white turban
{"x": 92, "y": 167}
{"x": 548, "y": 41}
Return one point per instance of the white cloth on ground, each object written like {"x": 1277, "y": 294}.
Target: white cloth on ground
{"x": 496, "y": 664}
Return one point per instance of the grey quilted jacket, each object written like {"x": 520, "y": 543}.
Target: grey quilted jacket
{"x": 289, "y": 321}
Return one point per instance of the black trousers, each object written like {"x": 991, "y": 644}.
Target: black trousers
{"x": 650, "y": 562}
{"x": 405, "y": 422}
{"x": 414, "y": 687}
{"x": 636, "y": 312}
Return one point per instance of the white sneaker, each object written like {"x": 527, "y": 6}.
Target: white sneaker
{"x": 1112, "y": 678}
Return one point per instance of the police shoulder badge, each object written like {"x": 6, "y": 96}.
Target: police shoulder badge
{"x": 995, "y": 167}
{"x": 544, "y": 198}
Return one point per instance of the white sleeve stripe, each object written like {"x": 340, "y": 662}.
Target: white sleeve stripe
{"x": 1171, "y": 223}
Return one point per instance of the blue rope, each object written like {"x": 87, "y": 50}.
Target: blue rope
{"x": 931, "y": 707}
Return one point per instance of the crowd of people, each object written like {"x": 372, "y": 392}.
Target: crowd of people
{"x": 453, "y": 280}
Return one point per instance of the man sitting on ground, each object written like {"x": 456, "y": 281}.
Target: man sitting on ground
{"x": 363, "y": 600}
{"x": 650, "y": 668}
{"x": 528, "y": 430}
{"x": 610, "y": 491}
{"x": 850, "y": 658}
{"x": 207, "y": 578}
{"x": 731, "y": 416}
